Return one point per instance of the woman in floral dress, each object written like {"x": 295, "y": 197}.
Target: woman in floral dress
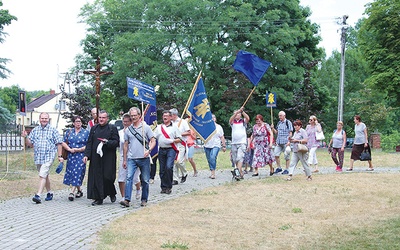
{"x": 74, "y": 142}
{"x": 262, "y": 139}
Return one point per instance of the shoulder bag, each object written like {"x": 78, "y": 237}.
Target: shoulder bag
{"x": 302, "y": 148}
{"x": 319, "y": 135}
{"x": 64, "y": 152}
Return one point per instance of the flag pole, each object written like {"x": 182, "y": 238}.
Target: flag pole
{"x": 272, "y": 119}
{"x": 191, "y": 94}
{"x": 249, "y": 96}
{"x": 142, "y": 120}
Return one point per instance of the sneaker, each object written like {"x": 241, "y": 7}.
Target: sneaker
{"x": 124, "y": 203}
{"x": 278, "y": 170}
{"x": 175, "y": 183}
{"x": 338, "y": 169}
{"x": 143, "y": 204}
{"x": 49, "y": 197}
{"x": 163, "y": 191}
{"x": 168, "y": 191}
{"x": 285, "y": 171}
{"x": 138, "y": 194}
{"x": 37, "y": 199}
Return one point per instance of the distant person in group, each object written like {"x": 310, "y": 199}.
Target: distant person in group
{"x": 92, "y": 122}
{"x": 239, "y": 137}
{"x": 153, "y": 166}
{"x": 337, "y": 144}
{"x": 101, "y": 152}
{"x": 139, "y": 142}
{"x": 360, "y": 143}
{"x": 122, "y": 172}
{"x": 45, "y": 141}
{"x": 313, "y": 143}
{"x": 299, "y": 137}
{"x": 248, "y": 155}
{"x": 168, "y": 136}
{"x": 180, "y": 165}
{"x": 75, "y": 140}
{"x": 213, "y": 146}
{"x": 283, "y": 133}
{"x": 191, "y": 141}
{"x": 262, "y": 138}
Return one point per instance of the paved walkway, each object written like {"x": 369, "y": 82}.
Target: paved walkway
{"x": 62, "y": 224}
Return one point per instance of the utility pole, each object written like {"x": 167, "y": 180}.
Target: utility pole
{"x": 342, "y": 64}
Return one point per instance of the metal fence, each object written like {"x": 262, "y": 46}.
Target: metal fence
{"x": 10, "y": 138}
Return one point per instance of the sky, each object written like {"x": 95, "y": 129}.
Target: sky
{"x": 41, "y": 50}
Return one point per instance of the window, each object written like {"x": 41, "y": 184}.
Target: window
{"x": 62, "y": 104}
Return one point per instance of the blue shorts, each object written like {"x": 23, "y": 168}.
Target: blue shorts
{"x": 190, "y": 152}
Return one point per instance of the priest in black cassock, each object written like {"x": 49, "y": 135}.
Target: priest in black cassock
{"x": 101, "y": 152}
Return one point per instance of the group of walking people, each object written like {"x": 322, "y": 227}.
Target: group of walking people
{"x": 296, "y": 143}
{"x": 137, "y": 140}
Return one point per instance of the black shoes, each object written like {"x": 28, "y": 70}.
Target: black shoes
{"x": 113, "y": 198}
{"x": 255, "y": 174}
{"x": 97, "y": 202}
{"x": 166, "y": 191}
{"x": 79, "y": 194}
{"x": 183, "y": 178}
{"x": 174, "y": 182}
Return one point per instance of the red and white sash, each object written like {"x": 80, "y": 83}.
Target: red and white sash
{"x": 168, "y": 137}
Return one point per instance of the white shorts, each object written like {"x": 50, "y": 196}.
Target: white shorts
{"x": 44, "y": 169}
{"x": 123, "y": 172}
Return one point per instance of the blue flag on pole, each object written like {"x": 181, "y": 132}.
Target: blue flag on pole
{"x": 251, "y": 66}
{"x": 200, "y": 118}
{"x": 150, "y": 117}
{"x": 141, "y": 91}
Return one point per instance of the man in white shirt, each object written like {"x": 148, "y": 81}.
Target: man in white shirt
{"x": 239, "y": 137}
{"x": 168, "y": 136}
{"x": 180, "y": 163}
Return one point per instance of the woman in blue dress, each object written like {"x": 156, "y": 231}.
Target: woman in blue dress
{"x": 74, "y": 142}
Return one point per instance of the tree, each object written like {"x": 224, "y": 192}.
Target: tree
{"x": 5, "y": 117}
{"x": 5, "y": 19}
{"x": 379, "y": 40}
{"x": 162, "y": 43}
{"x": 9, "y": 97}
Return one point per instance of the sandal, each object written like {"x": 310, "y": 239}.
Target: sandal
{"x": 71, "y": 197}
{"x": 369, "y": 169}
{"x": 289, "y": 178}
{"x": 349, "y": 169}
{"x": 212, "y": 176}
{"x": 79, "y": 194}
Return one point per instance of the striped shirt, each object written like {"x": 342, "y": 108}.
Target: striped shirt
{"x": 44, "y": 140}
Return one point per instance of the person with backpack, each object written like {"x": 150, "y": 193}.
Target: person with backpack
{"x": 283, "y": 131}
{"x": 262, "y": 139}
{"x": 338, "y": 143}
